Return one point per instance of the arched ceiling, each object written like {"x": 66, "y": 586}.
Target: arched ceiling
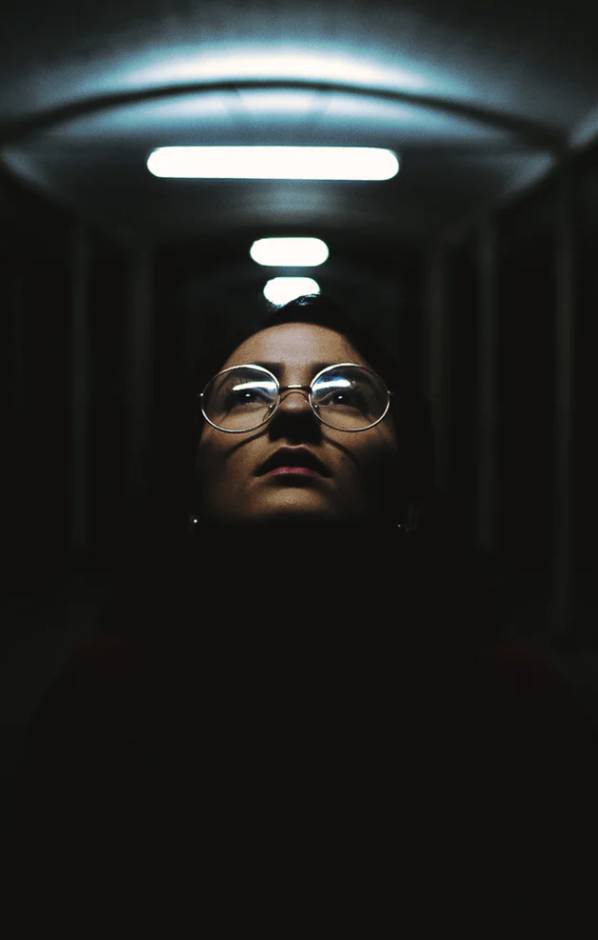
{"x": 476, "y": 96}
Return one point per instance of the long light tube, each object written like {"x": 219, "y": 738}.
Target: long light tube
{"x": 280, "y": 163}
{"x": 289, "y": 252}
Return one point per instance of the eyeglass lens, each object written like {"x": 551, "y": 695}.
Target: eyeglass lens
{"x": 347, "y": 398}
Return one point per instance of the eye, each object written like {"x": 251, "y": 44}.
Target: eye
{"x": 247, "y": 395}
{"x": 344, "y": 396}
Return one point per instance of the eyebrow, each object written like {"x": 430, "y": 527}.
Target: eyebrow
{"x": 276, "y": 366}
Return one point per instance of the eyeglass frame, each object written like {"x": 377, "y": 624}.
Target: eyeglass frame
{"x": 286, "y": 388}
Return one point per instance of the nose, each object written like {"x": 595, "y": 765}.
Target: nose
{"x": 294, "y": 401}
{"x": 295, "y": 397}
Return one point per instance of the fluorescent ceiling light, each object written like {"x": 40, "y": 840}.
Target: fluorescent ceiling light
{"x": 280, "y": 290}
{"x": 281, "y": 163}
{"x": 289, "y": 252}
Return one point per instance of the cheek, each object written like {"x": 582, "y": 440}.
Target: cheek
{"x": 379, "y": 450}
{"x": 221, "y": 462}
{"x": 378, "y": 459}
{"x": 212, "y": 487}
{"x": 209, "y": 457}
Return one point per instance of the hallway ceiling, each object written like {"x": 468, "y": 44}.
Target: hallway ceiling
{"x": 477, "y": 97}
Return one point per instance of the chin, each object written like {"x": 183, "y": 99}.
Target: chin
{"x": 288, "y": 514}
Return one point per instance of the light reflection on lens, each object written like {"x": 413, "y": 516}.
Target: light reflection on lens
{"x": 349, "y": 398}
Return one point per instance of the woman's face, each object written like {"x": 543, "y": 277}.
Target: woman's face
{"x": 358, "y": 477}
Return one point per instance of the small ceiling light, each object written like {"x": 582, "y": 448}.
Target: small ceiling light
{"x": 280, "y": 163}
{"x": 280, "y": 290}
{"x": 289, "y": 252}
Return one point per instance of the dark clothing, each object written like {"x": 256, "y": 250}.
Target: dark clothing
{"x": 123, "y": 719}
{"x": 297, "y": 711}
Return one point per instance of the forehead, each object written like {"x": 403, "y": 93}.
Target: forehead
{"x": 295, "y": 346}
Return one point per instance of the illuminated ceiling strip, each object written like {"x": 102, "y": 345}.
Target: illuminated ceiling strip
{"x": 290, "y": 163}
{"x": 289, "y": 252}
{"x": 281, "y": 290}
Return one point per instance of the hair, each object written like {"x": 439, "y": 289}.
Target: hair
{"x": 409, "y": 409}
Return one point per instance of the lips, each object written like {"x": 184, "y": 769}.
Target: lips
{"x": 293, "y": 457}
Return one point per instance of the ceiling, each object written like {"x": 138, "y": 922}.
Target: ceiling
{"x": 477, "y": 97}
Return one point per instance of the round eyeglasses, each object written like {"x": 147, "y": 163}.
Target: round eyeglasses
{"x": 345, "y": 396}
